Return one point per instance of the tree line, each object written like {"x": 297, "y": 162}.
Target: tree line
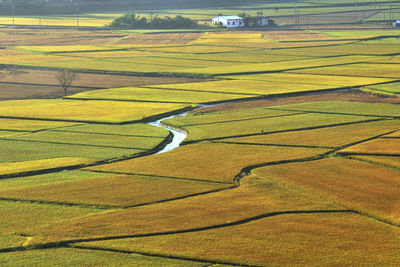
{"x": 130, "y": 20}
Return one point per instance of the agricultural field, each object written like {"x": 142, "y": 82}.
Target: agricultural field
{"x": 288, "y": 151}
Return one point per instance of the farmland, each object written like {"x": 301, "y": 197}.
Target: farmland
{"x": 290, "y": 153}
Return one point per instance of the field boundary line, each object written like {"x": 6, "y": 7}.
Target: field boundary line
{"x": 279, "y": 131}
{"x": 270, "y": 144}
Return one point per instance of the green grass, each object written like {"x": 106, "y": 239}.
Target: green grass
{"x": 47, "y": 179}
{"x": 146, "y": 94}
{"x": 41, "y": 165}
{"x": 387, "y": 89}
{"x": 92, "y": 139}
{"x": 17, "y": 151}
{"x": 81, "y": 257}
{"x": 263, "y": 125}
{"x": 343, "y": 107}
{"x": 134, "y": 129}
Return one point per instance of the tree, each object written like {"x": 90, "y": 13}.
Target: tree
{"x": 65, "y": 78}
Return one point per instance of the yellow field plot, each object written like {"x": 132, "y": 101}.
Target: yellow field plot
{"x": 287, "y": 240}
{"x": 286, "y": 65}
{"x": 18, "y": 217}
{"x": 116, "y": 54}
{"x": 10, "y": 240}
{"x": 389, "y": 161}
{"x": 135, "y": 129}
{"x": 263, "y": 125}
{"x": 70, "y": 48}
{"x": 194, "y": 49}
{"x": 394, "y": 135}
{"x": 61, "y": 21}
{"x": 88, "y": 111}
{"x": 338, "y": 81}
{"x": 326, "y": 137}
{"x": 381, "y": 146}
{"x": 82, "y": 257}
{"x": 360, "y": 69}
{"x": 8, "y": 133}
{"x": 33, "y": 59}
{"x": 42, "y": 164}
{"x": 246, "y": 87}
{"x": 359, "y": 186}
{"x": 49, "y": 179}
{"x": 147, "y": 94}
{"x": 255, "y": 196}
{"x": 347, "y": 107}
{"x": 220, "y": 162}
{"x": 30, "y": 125}
{"x": 105, "y": 65}
{"x": 120, "y": 190}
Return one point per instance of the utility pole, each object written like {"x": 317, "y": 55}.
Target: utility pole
{"x": 77, "y": 14}
{"x": 12, "y": 12}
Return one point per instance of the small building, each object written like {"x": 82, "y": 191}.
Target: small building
{"x": 228, "y": 21}
{"x": 258, "y": 21}
{"x": 396, "y": 23}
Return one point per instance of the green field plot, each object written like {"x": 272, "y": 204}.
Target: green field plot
{"x": 324, "y": 137}
{"x": 90, "y": 139}
{"x": 369, "y": 33}
{"x": 11, "y": 240}
{"x": 387, "y": 89}
{"x": 198, "y": 118}
{"x": 33, "y": 59}
{"x": 16, "y": 151}
{"x": 82, "y": 257}
{"x": 390, "y": 161}
{"x": 134, "y": 129}
{"x": 8, "y": 133}
{"x": 286, "y": 240}
{"x": 115, "y": 190}
{"x": 381, "y": 146}
{"x": 48, "y": 179}
{"x": 263, "y": 125}
{"x": 20, "y": 125}
{"x": 359, "y": 186}
{"x": 220, "y": 162}
{"x": 43, "y": 164}
{"x": 360, "y": 69}
{"x": 343, "y": 107}
{"x": 334, "y": 81}
{"x": 22, "y": 217}
{"x": 246, "y": 87}
{"x": 84, "y": 111}
{"x": 162, "y": 95}
{"x": 286, "y": 65}
{"x": 255, "y": 196}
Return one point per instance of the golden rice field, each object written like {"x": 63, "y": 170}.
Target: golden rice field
{"x": 288, "y": 173}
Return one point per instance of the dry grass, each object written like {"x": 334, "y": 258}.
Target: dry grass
{"x": 389, "y": 161}
{"x": 254, "y": 197}
{"x": 219, "y": 162}
{"x": 330, "y": 137}
{"x": 118, "y": 190}
{"x": 360, "y": 186}
{"x": 88, "y": 111}
{"x": 160, "y": 38}
{"x": 381, "y": 146}
{"x": 287, "y": 240}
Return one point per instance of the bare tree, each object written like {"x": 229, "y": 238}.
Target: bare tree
{"x": 65, "y": 78}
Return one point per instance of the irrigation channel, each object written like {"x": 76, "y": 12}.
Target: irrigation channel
{"x": 178, "y": 136}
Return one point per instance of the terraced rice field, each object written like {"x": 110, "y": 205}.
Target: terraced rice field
{"x": 296, "y": 176}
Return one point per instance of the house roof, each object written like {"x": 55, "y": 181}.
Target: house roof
{"x": 228, "y": 17}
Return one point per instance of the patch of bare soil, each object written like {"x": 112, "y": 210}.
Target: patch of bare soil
{"x": 27, "y": 83}
{"x": 355, "y": 95}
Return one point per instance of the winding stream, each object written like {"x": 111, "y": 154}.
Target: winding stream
{"x": 178, "y": 136}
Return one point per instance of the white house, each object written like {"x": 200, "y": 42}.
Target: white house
{"x": 396, "y": 23}
{"x": 259, "y": 21}
{"x": 228, "y": 21}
